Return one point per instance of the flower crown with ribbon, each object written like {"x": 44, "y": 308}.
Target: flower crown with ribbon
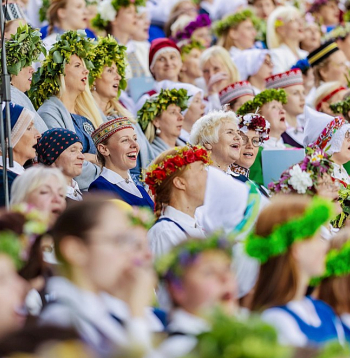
{"x": 284, "y": 235}
{"x": 108, "y": 9}
{"x": 24, "y": 48}
{"x": 256, "y": 123}
{"x": 262, "y": 98}
{"x": 202, "y": 20}
{"x": 222, "y": 26}
{"x": 186, "y": 155}
{"x": 325, "y": 137}
{"x": 171, "y": 267}
{"x": 108, "y": 52}
{"x": 302, "y": 178}
{"x": 46, "y": 79}
{"x": 159, "y": 103}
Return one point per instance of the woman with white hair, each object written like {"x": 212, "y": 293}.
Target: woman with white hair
{"x": 62, "y": 92}
{"x": 41, "y": 187}
{"x": 218, "y": 72}
{"x": 218, "y": 133}
{"x": 284, "y": 32}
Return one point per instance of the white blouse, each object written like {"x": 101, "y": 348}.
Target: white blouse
{"x": 339, "y": 172}
{"x": 274, "y": 144}
{"x": 73, "y": 191}
{"x": 17, "y": 168}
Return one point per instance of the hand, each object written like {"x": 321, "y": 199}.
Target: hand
{"x": 217, "y": 82}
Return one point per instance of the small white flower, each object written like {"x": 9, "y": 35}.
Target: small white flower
{"x": 106, "y": 10}
{"x": 299, "y": 180}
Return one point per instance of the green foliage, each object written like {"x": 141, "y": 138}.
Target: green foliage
{"x": 154, "y": 106}
{"x": 342, "y": 107}
{"x": 234, "y": 338}
{"x": 222, "y": 26}
{"x": 106, "y": 52}
{"x": 260, "y": 99}
{"x": 186, "y": 49}
{"x": 43, "y": 10}
{"x": 344, "y": 200}
{"x": 284, "y": 235}
{"x": 24, "y": 48}
{"x": 45, "y": 81}
{"x": 10, "y": 244}
{"x": 142, "y": 216}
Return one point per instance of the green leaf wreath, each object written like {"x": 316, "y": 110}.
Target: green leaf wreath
{"x": 106, "y": 52}
{"x": 186, "y": 49}
{"x": 24, "y": 48}
{"x": 222, "y": 26}
{"x": 342, "y": 107}
{"x": 344, "y": 200}
{"x": 159, "y": 103}
{"x": 46, "y": 80}
{"x": 262, "y": 98}
{"x": 100, "y": 23}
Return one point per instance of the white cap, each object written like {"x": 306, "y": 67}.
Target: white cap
{"x": 249, "y": 62}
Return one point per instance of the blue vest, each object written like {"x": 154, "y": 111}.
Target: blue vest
{"x": 325, "y": 332}
{"x": 11, "y": 177}
{"x": 102, "y": 184}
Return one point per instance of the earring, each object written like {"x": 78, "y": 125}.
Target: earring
{"x": 158, "y": 131}
{"x": 94, "y": 88}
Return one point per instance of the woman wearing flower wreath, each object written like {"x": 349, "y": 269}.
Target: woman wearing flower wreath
{"x": 20, "y": 56}
{"x": 107, "y": 79}
{"x": 177, "y": 179}
{"x": 333, "y": 136}
{"x": 288, "y": 243}
{"x": 284, "y": 33}
{"x": 237, "y": 32}
{"x": 254, "y": 131}
{"x": 117, "y": 151}
{"x": 335, "y": 281}
{"x": 61, "y": 89}
{"x": 161, "y": 118}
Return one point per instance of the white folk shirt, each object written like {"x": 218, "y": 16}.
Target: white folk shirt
{"x": 73, "y": 191}
{"x": 340, "y": 173}
{"x": 163, "y": 236}
{"x": 17, "y": 168}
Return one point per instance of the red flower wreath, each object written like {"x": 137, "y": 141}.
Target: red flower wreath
{"x": 157, "y": 173}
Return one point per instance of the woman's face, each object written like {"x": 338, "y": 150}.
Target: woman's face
{"x": 295, "y": 100}
{"x": 312, "y": 37}
{"x": 49, "y": 198}
{"x": 24, "y": 79}
{"x": 203, "y": 35}
{"x": 190, "y": 64}
{"x": 343, "y": 156}
{"x": 126, "y": 20}
{"x": 310, "y": 256}
{"x": 122, "y": 149}
{"x": 244, "y": 35}
{"x": 107, "y": 86}
{"x": 264, "y": 8}
{"x": 24, "y": 149}
{"x": 196, "y": 109}
{"x": 213, "y": 66}
{"x": 266, "y": 69}
{"x": 337, "y": 97}
{"x": 206, "y": 284}
{"x": 143, "y": 23}
{"x": 74, "y": 16}
{"x": 170, "y": 122}
{"x": 13, "y": 291}
{"x": 71, "y": 161}
{"x": 188, "y": 8}
{"x": 240, "y": 102}
{"x": 76, "y": 75}
{"x": 228, "y": 149}
{"x": 337, "y": 68}
{"x": 167, "y": 66}
{"x": 292, "y": 29}
{"x": 276, "y": 115}
{"x": 329, "y": 13}
{"x": 249, "y": 150}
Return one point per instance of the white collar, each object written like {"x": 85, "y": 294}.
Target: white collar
{"x": 114, "y": 177}
{"x": 73, "y": 191}
{"x": 274, "y": 143}
{"x": 17, "y": 168}
{"x": 179, "y": 216}
{"x": 183, "y": 321}
{"x": 184, "y": 136}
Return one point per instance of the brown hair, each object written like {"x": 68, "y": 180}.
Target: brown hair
{"x": 52, "y": 13}
{"x": 225, "y": 40}
{"x": 278, "y": 278}
{"x": 164, "y": 189}
{"x": 335, "y": 290}
{"x": 317, "y": 71}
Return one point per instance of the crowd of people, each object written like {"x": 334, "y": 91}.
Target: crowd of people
{"x": 140, "y": 222}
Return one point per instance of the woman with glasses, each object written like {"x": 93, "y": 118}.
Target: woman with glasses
{"x": 254, "y": 131}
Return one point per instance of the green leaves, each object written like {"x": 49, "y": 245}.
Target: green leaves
{"x": 57, "y": 57}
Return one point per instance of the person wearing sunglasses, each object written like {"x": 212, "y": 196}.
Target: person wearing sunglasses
{"x": 254, "y": 130}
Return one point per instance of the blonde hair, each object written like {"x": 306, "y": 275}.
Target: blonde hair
{"x": 324, "y": 90}
{"x": 32, "y": 179}
{"x": 114, "y": 106}
{"x": 206, "y": 129}
{"x": 283, "y": 13}
{"x": 224, "y": 56}
{"x": 85, "y": 104}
